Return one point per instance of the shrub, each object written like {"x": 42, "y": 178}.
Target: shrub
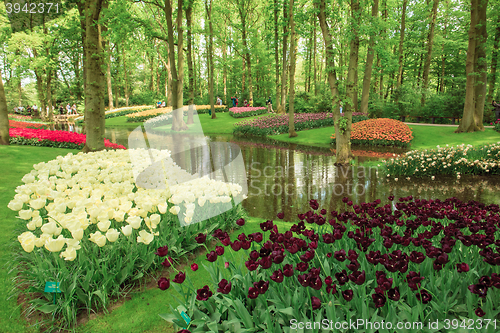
{"x": 380, "y": 132}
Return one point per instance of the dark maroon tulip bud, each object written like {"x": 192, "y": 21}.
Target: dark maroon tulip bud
{"x": 462, "y": 268}
{"x": 236, "y": 245}
{"x": 480, "y": 313}
{"x": 245, "y": 245}
{"x": 219, "y": 250}
{"x": 251, "y": 265}
{"x": 203, "y": 294}
{"x": 257, "y": 237}
{"x": 314, "y": 204}
{"x": 302, "y": 266}
{"x": 301, "y": 216}
{"x": 345, "y": 199}
{"x": 224, "y": 287}
{"x": 357, "y": 277}
{"x": 485, "y": 280}
{"x": 391, "y": 198}
{"x": 277, "y": 257}
{"x": 261, "y": 286}
{"x": 348, "y": 294}
{"x": 266, "y": 226}
{"x": 379, "y": 300}
{"x": 331, "y": 289}
{"x": 424, "y": 296}
{"x": 323, "y": 211}
{"x": 307, "y": 256}
{"x": 254, "y": 255}
{"x": 194, "y": 267}
{"x": 414, "y": 280}
{"x": 212, "y": 256}
{"x": 163, "y": 283}
{"x": 352, "y": 255}
{"x": 353, "y": 265}
{"x": 167, "y": 262}
{"x": 162, "y": 251}
{"x": 201, "y": 238}
{"x": 417, "y": 257}
{"x": 184, "y": 331}
{"x": 313, "y": 245}
{"x": 329, "y": 255}
{"x": 315, "y": 302}
{"x": 179, "y": 278}
{"x": 328, "y": 280}
{"x": 277, "y": 276}
{"x": 281, "y": 216}
{"x": 242, "y": 237}
{"x": 225, "y": 241}
{"x": 253, "y": 293}
{"x": 393, "y": 294}
{"x": 437, "y": 266}
{"x": 288, "y": 270}
{"x": 340, "y": 255}
{"x": 240, "y": 222}
{"x": 495, "y": 280}
{"x": 342, "y": 277}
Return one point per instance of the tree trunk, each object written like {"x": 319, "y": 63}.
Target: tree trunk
{"x": 293, "y": 56}
{"x": 469, "y": 121}
{"x": 189, "y": 21}
{"x": 494, "y": 59}
{"x": 480, "y": 65}
{"x": 49, "y": 96}
{"x": 106, "y": 48}
{"x": 282, "y": 103}
{"x": 125, "y": 76}
{"x": 343, "y": 140}
{"x": 178, "y": 123}
{"x": 314, "y": 61}
{"x": 401, "y": 43}
{"x": 4, "y": 116}
{"x": 276, "y": 54}
{"x": 94, "y": 64}
{"x": 369, "y": 64}
{"x": 208, "y": 7}
{"x": 351, "y": 87}
{"x": 428, "y": 58}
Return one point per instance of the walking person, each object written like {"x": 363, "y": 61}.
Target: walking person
{"x": 497, "y": 110}
{"x": 233, "y": 99}
{"x": 269, "y": 104}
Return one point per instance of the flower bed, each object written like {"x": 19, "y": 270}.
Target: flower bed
{"x": 57, "y": 139}
{"x": 497, "y": 125}
{"x": 85, "y": 223}
{"x": 246, "y": 111}
{"x": 118, "y": 112}
{"x": 419, "y": 261}
{"x": 149, "y": 114}
{"x": 26, "y": 124}
{"x": 457, "y": 160}
{"x": 380, "y": 132}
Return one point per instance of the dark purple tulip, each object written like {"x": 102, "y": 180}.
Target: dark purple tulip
{"x": 495, "y": 280}
{"x": 236, "y": 245}
{"x": 203, "y": 294}
{"x": 266, "y": 226}
{"x": 462, "y": 268}
{"x": 348, "y": 294}
{"x": 393, "y": 294}
{"x": 424, "y": 296}
{"x": 480, "y": 313}
{"x": 163, "y": 283}
{"x": 184, "y": 331}
{"x": 277, "y": 276}
{"x": 352, "y": 255}
{"x": 316, "y": 283}
{"x": 254, "y": 255}
{"x": 281, "y": 216}
{"x": 353, "y": 265}
{"x": 485, "y": 280}
{"x": 288, "y": 270}
{"x": 340, "y": 255}
{"x": 219, "y": 250}
{"x": 417, "y": 257}
{"x": 251, "y": 265}
{"x": 314, "y": 204}
{"x": 179, "y": 278}
{"x": 379, "y": 300}
{"x": 303, "y": 280}
{"x": 253, "y": 293}
{"x": 357, "y": 277}
{"x": 162, "y": 251}
{"x": 342, "y": 277}
{"x": 194, "y": 267}
{"x": 329, "y": 280}
{"x": 302, "y": 266}
{"x": 212, "y": 256}
{"x": 479, "y": 289}
{"x": 240, "y": 222}
{"x": 265, "y": 262}
{"x": 261, "y": 286}
{"x": 167, "y": 262}
{"x": 224, "y": 287}
{"x": 331, "y": 289}
{"x": 201, "y": 238}
{"x": 329, "y": 255}
{"x": 315, "y": 302}
{"x": 307, "y": 256}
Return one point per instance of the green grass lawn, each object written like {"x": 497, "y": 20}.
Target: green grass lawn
{"x": 120, "y": 122}
{"x": 318, "y": 137}
{"x": 16, "y": 162}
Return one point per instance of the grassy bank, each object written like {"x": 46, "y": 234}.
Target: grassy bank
{"x": 16, "y": 162}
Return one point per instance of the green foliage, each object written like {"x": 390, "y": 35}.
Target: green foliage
{"x": 342, "y": 124}
{"x": 118, "y": 114}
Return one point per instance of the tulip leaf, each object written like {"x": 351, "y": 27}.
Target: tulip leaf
{"x": 168, "y": 317}
{"x": 287, "y": 311}
{"x": 243, "y": 313}
{"x": 48, "y": 308}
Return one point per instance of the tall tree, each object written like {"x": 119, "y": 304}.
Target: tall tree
{"x": 293, "y": 56}
{"x": 95, "y": 78}
{"x": 369, "y": 62}
{"x": 494, "y": 62}
{"x": 4, "y": 116}
{"x": 351, "y": 86}
{"x": 428, "y": 58}
{"x": 343, "y": 137}
{"x": 472, "y": 119}
{"x": 281, "y": 104}
{"x": 276, "y": 53}
{"x": 401, "y": 44}
{"x": 208, "y": 8}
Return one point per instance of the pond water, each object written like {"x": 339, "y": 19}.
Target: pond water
{"x": 284, "y": 177}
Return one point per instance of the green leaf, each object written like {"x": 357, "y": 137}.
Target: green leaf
{"x": 48, "y": 308}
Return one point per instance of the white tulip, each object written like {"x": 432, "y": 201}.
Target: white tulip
{"x": 145, "y": 237}
{"x": 69, "y": 254}
{"x": 112, "y": 235}
{"x": 175, "y": 210}
{"x": 55, "y": 245}
{"x": 25, "y": 214}
{"x": 27, "y": 240}
{"x": 127, "y": 230}
{"x": 162, "y": 208}
{"x": 49, "y": 228}
{"x": 104, "y": 225}
{"x": 15, "y": 205}
{"x": 134, "y": 221}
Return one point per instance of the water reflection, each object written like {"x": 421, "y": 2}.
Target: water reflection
{"x": 284, "y": 177}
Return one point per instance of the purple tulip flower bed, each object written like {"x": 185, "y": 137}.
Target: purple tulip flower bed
{"x": 278, "y": 124}
{"x": 411, "y": 261}
{"x": 242, "y": 112}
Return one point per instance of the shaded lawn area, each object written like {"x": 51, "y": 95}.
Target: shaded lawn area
{"x": 16, "y": 162}
{"x": 318, "y": 137}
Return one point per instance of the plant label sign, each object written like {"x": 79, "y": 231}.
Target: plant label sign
{"x": 186, "y": 318}
{"x": 52, "y": 287}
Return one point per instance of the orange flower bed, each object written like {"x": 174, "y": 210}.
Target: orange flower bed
{"x": 380, "y": 132}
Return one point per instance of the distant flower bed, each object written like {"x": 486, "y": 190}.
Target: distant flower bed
{"x": 149, "y": 114}
{"x": 246, "y": 111}
{"x": 380, "y": 132}
{"x": 26, "y": 124}
{"x": 447, "y": 161}
{"x": 19, "y": 117}
{"x": 119, "y": 112}
{"x": 497, "y": 125}
{"x": 57, "y": 139}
